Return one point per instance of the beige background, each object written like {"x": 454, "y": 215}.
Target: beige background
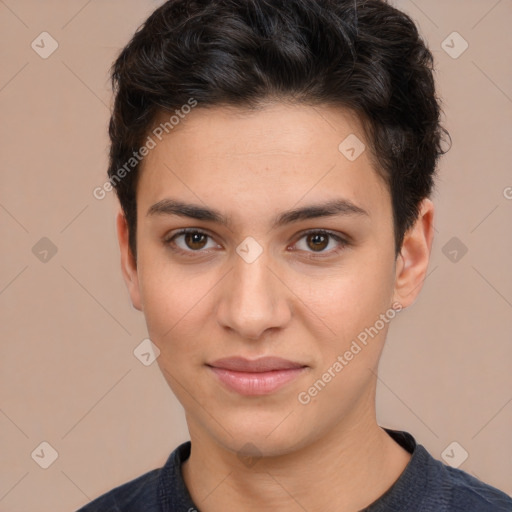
{"x": 68, "y": 373}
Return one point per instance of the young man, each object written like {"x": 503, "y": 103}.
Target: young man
{"x": 274, "y": 161}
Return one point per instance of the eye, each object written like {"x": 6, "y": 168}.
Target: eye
{"x": 192, "y": 242}
{"x": 189, "y": 241}
{"x": 318, "y": 241}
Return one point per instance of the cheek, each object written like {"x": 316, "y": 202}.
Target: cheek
{"x": 347, "y": 360}
{"x": 175, "y": 304}
{"x": 350, "y": 302}
{"x": 351, "y": 298}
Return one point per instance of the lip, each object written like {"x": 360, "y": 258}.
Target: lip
{"x": 256, "y": 377}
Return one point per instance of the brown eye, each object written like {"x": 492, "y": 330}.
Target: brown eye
{"x": 190, "y": 242}
{"x": 320, "y": 243}
{"x": 317, "y": 241}
{"x": 195, "y": 240}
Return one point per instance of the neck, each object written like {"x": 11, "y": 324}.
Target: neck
{"x": 351, "y": 466}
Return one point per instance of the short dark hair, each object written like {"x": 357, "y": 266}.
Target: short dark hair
{"x": 363, "y": 55}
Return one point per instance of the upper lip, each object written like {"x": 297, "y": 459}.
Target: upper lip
{"x": 263, "y": 364}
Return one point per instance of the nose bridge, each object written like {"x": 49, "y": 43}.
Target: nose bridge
{"x": 252, "y": 300}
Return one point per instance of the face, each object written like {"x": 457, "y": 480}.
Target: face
{"x": 289, "y": 253}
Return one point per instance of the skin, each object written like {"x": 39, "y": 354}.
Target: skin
{"x": 252, "y": 166}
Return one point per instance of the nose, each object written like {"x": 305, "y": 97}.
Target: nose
{"x": 253, "y": 299}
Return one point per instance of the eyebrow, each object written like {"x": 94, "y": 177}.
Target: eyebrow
{"x": 330, "y": 208}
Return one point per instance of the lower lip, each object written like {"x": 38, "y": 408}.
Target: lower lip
{"x": 252, "y": 384}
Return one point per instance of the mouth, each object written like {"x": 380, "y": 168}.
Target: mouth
{"x": 256, "y": 377}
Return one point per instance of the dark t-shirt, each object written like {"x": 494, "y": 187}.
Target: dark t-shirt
{"x": 425, "y": 485}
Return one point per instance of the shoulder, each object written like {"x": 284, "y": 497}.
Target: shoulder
{"x": 429, "y": 485}
{"x": 469, "y": 493}
{"x": 141, "y": 493}
{"x": 151, "y": 491}
{"x": 454, "y": 490}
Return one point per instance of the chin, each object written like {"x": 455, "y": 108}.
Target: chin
{"x": 256, "y": 436}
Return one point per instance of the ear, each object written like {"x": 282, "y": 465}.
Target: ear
{"x": 128, "y": 264}
{"x": 414, "y": 257}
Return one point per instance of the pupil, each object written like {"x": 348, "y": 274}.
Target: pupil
{"x": 194, "y": 238}
{"x": 318, "y": 238}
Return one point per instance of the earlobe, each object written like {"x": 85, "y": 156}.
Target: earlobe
{"x": 412, "y": 262}
{"x": 128, "y": 264}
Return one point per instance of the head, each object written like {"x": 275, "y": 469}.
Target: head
{"x": 298, "y": 143}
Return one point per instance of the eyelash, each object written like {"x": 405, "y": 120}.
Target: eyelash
{"x": 169, "y": 242}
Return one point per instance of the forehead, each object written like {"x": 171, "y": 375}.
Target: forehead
{"x": 279, "y": 155}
